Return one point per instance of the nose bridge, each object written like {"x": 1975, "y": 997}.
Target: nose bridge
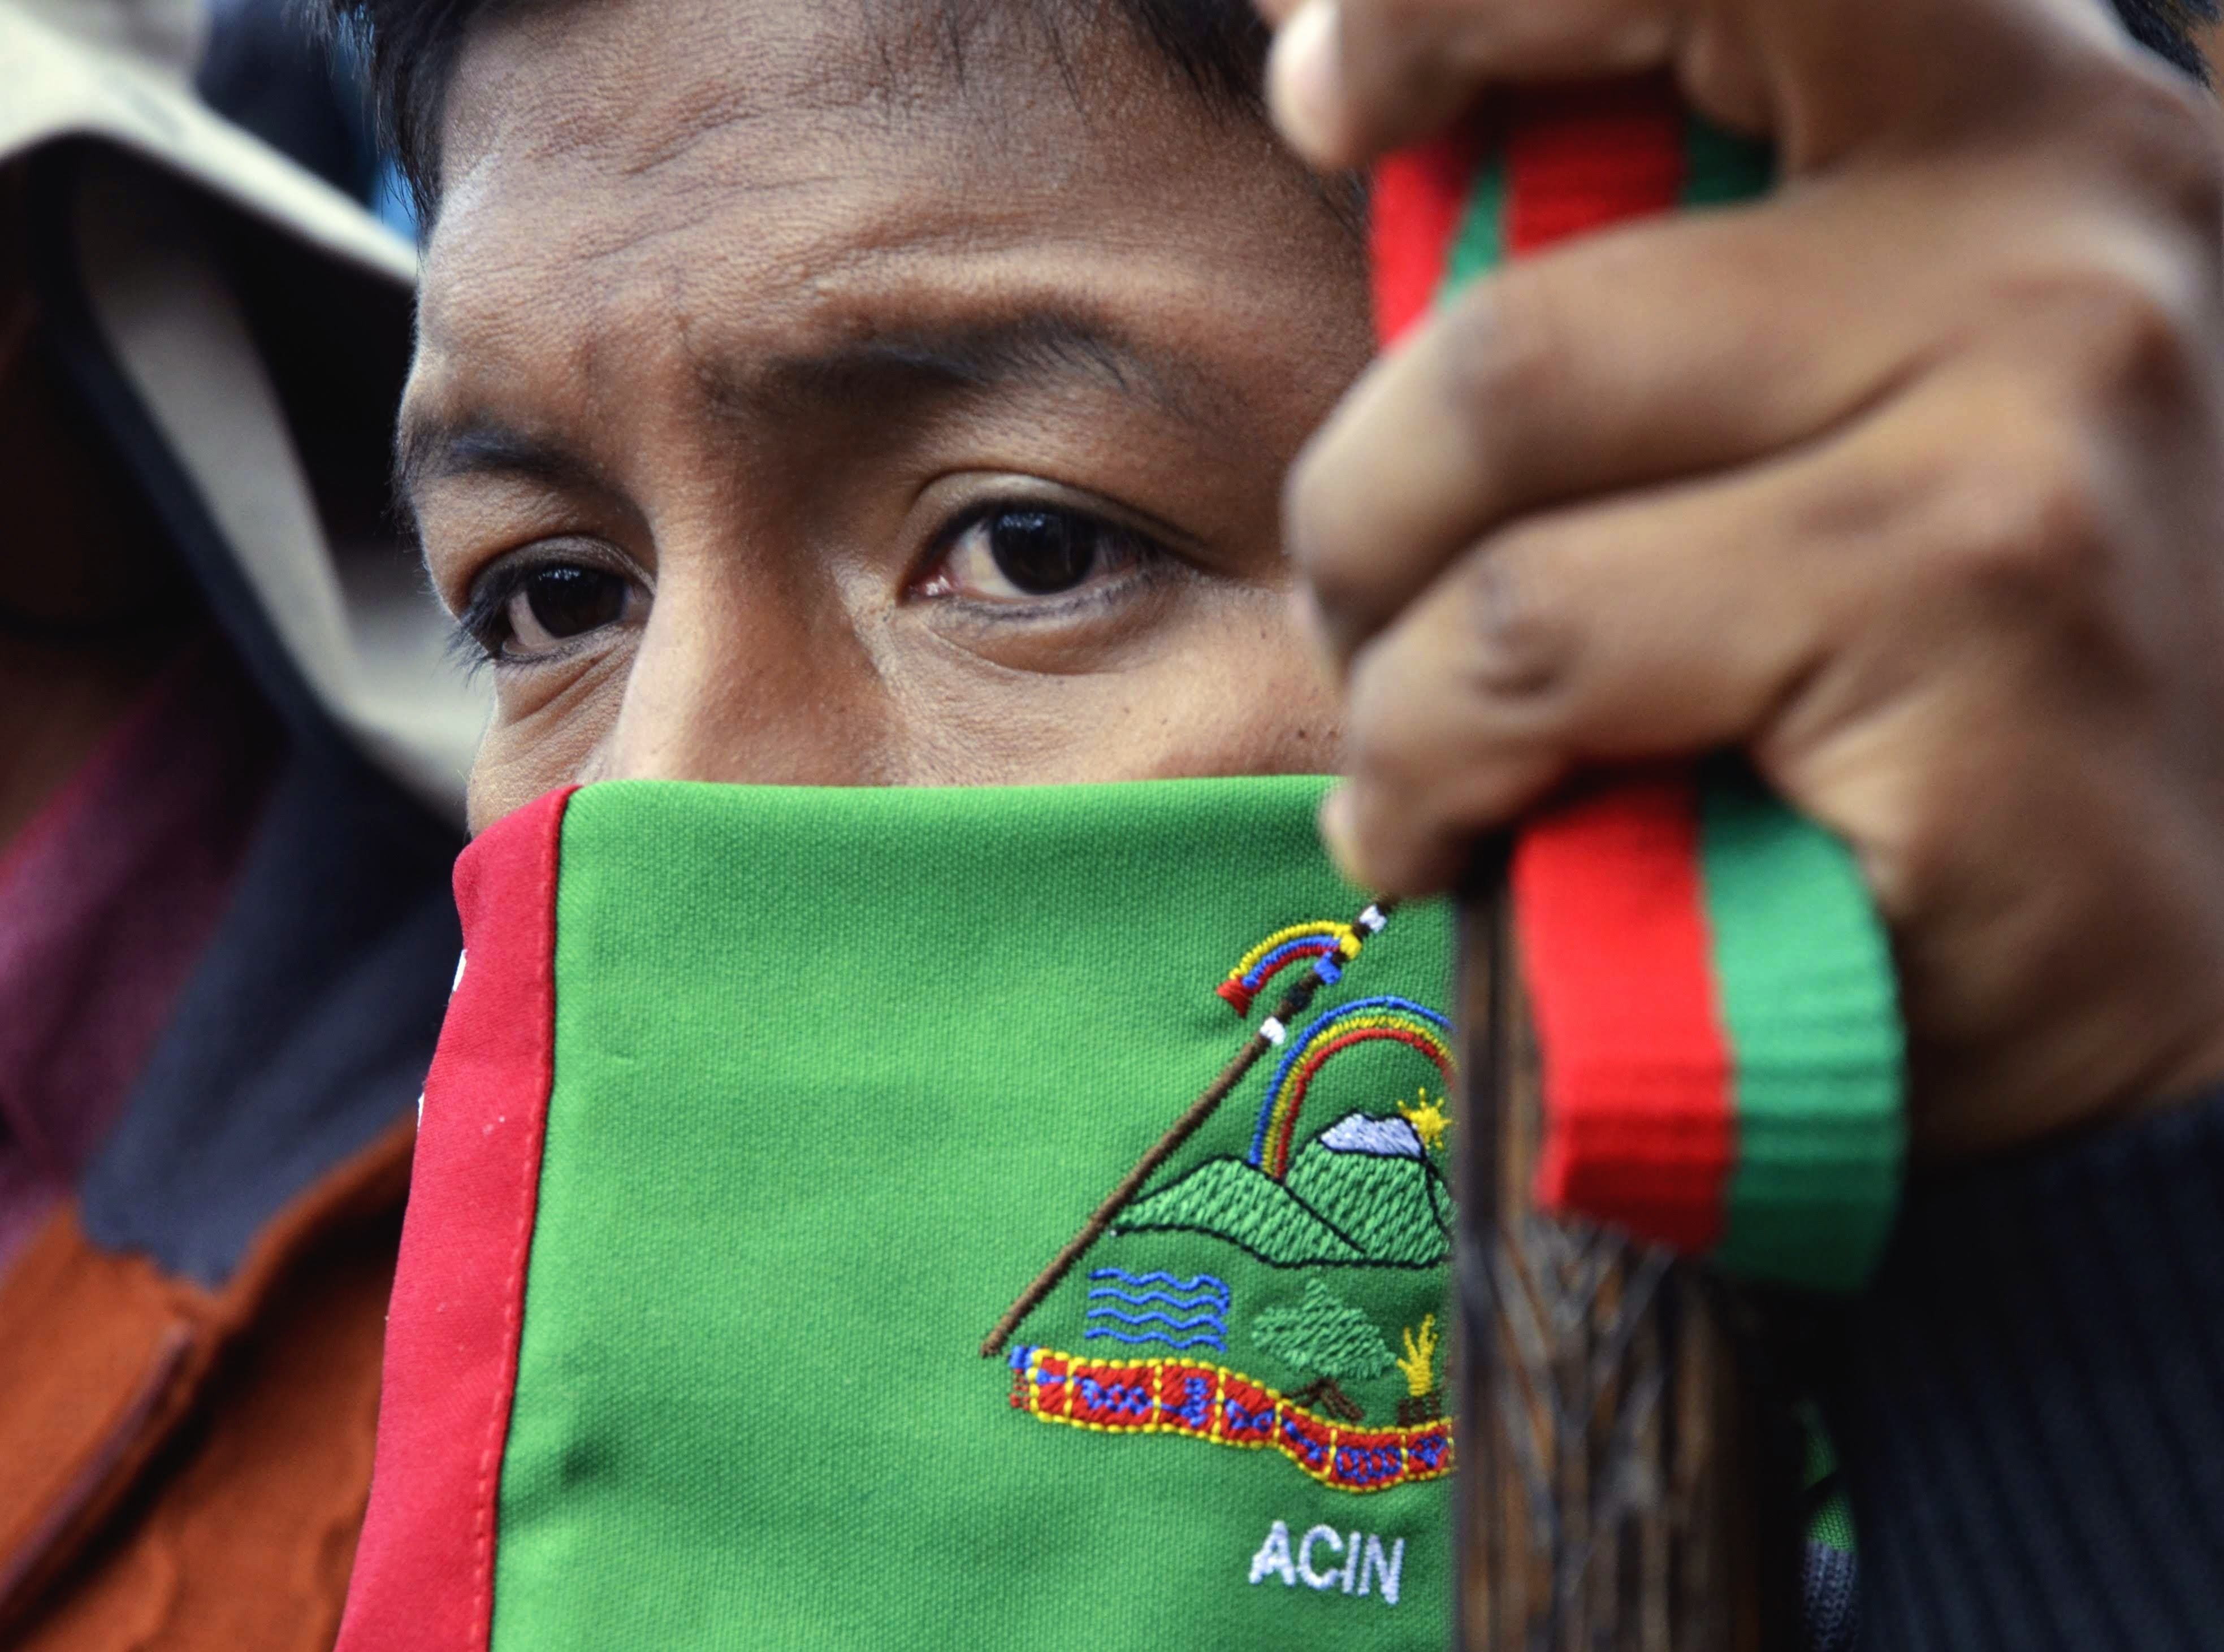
{"x": 748, "y": 674}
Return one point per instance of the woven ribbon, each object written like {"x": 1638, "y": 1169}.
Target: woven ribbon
{"x": 1712, "y": 989}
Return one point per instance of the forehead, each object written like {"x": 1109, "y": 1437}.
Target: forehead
{"x": 672, "y": 176}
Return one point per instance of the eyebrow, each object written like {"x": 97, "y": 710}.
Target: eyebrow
{"x": 905, "y": 363}
{"x": 969, "y": 355}
{"x": 435, "y": 449}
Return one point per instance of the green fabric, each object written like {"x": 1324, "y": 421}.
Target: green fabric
{"x": 1831, "y": 1520}
{"x": 837, "y": 1072}
{"x": 1479, "y": 241}
{"x": 1721, "y": 169}
{"x": 1803, "y": 972}
{"x": 1832, "y": 1523}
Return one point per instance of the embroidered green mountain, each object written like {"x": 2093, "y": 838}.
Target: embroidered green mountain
{"x": 1363, "y": 1191}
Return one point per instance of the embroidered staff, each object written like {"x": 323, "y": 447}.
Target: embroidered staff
{"x": 1327, "y": 968}
{"x": 1713, "y": 994}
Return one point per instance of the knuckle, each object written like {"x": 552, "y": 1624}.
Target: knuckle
{"x": 1917, "y": 860}
{"x": 2152, "y": 129}
{"x": 1519, "y": 640}
{"x": 1421, "y": 788}
{"x": 1503, "y": 349}
{"x": 2024, "y": 531}
{"x": 2126, "y": 336}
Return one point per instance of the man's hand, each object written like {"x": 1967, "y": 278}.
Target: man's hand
{"x": 1907, "y": 481}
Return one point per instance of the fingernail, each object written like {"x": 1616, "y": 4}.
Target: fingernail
{"x": 1304, "y": 82}
{"x": 1338, "y": 836}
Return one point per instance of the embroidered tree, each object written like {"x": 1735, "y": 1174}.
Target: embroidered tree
{"x": 1331, "y": 1341}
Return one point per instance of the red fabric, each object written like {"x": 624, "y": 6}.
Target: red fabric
{"x": 424, "y": 1575}
{"x": 1580, "y": 159}
{"x": 1616, "y": 953}
{"x": 1639, "y": 1111}
{"x": 1414, "y": 208}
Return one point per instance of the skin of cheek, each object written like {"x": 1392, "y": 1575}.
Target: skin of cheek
{"x": 522, "y": 758}
{"x": 758, "y": 663}
{"x": 1232, "y": 690}
{"x": 1242, "y": 694}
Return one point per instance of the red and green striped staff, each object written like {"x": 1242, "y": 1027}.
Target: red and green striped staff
{"x": 1712, "y": 989}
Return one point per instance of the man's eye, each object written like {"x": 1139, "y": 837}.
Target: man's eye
{"x": 559, "y": 602}
{"x": 535, "y": 610}
{"x": 1021, "y": 553}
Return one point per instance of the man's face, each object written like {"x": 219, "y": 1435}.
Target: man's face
{"x": 799, "y": 401}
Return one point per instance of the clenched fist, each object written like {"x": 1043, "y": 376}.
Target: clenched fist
{"x": 1907, "y": 481}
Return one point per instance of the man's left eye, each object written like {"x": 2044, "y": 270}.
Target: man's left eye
{"x": 1019, "y": 554}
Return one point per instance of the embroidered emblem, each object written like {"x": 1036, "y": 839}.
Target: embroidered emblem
{"x": 1225, "y": 1406}
{"x": 1159, "y": 1308}
{"x": 1373, "y": 919}
{"x": 1362, "y": 1569}
{"x": 1362, "y": 1196}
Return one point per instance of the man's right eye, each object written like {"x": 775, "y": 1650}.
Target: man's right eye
{"x": 524, "y": 613}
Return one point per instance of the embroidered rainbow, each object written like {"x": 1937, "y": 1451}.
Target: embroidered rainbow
{"x": 1225, "y": 1406}
{"x": 1365, "y": 1020}
{"x": 1326, "y": 939}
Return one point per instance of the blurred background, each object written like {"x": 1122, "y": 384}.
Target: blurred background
{"x": 266, "y": 68}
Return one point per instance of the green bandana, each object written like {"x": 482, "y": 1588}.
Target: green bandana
{"x": 756, "y": 1110}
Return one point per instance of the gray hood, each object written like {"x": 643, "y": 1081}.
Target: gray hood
{"x": 243, "y": 329}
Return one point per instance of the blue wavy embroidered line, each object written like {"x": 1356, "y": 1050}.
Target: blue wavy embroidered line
{"x": 1204, "y": 1337}
{"x": 1137, "y": 1298}
{"x": 1154, "y": 1318}
{"x": 1204, "y": 1298}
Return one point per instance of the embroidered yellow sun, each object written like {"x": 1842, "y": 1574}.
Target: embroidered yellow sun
{"x": 1428, "y": 1118}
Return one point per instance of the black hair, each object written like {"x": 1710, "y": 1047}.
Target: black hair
{"x": 2167, "y": 27}
{"x": 1218, "y": 46}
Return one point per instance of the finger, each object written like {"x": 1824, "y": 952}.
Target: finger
{"x": 1350, "y": 79}
{"x": 1660, "y": 351}
{"x": 1655, "y": 626}
{"x": 1914, "y": 73}
{"x": 1973, "y": 517}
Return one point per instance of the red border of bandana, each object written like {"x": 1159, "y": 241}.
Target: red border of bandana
{"x": 424, "y": 1571}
